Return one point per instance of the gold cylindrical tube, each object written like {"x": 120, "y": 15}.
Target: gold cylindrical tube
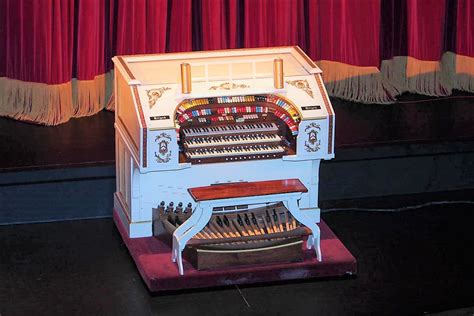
{"x": 278, "y": 73}
{"x": 185, "y": 78}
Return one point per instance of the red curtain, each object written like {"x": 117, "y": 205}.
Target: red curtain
{"x": 91, "y": 39}
{"x": 44, "y": 44}
{"x": 274, "y": 23}
{"x": 43, "y": 36}
{"x": 425, "y": 23}
{"x": 180, "y": 31}
{"x": 425, "y": 28}
{"x": 465, "y": 45}
{"x": 141, "y": 26}
{"x": 465, "y": 28}
{"x": 3, "y": 37}
{"x": 220, "y": 24}
{"x": 345, "y": 31}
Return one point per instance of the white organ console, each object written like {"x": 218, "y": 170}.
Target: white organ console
{"x": 221, "y": 121}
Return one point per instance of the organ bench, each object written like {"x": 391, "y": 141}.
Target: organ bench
{"x": 208, "y": 198}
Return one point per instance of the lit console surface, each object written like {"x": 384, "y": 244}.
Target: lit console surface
{"x": 200, "y": 119}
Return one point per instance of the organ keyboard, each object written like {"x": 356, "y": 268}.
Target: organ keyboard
{"x": 240, "y": 139}
{"x": 200, "y": 119}
{"x": 231, "y": 129}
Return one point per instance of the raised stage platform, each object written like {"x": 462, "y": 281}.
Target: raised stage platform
{"x": 420, "y": 144}
{"x": 153, "y": 260}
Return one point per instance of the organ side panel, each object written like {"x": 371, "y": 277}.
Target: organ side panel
{"x": 126, "y": 115}
{"x": 222, "y": 130}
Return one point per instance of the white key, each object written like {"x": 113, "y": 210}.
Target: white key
{"x": 235, "y": 151}
{"x": 230, "y": 129}
{"x": 228, "y": 140}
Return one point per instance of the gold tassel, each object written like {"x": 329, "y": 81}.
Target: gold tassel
{"x": 426, "y": 77}
{"x": 36, "y": 102}
{"x": 360, "y": 84}
{"x": 46, "y": 104}
{"x": 464, "y": 73}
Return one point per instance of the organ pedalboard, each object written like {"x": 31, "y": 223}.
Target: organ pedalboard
{"x": 269, "y": 230}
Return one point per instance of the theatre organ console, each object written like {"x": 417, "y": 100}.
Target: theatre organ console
{"x": 220, "y": 152}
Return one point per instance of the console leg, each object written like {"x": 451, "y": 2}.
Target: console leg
{"x": 180, "y": 231}
{"x": 314, "y": 239}
{"x": 180, "y": 263}
{"x": 204, "y": 214}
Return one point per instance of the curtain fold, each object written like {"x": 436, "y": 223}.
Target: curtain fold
{"x": 220, "y": 24}
{"x": 36, "y": 85}
{"x": 465, "y": 45}
{"x": 180, "y": 26}
{"x": 274, "y": 23}
{"x": 3, "y": 38}
{"x": 425, "y": 47}
{"x": 55, "y": 55}
{"x": 89, "y": 90}
{"x": 345, "y": 42}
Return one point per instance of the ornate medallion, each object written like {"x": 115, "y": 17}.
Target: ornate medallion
{"x": 229, "y": 86}
{"x": 302, "y": 85}
{"x": 155, "y": 94}
{"x": 164, "y": 153}
{"x": 313, "y": 144}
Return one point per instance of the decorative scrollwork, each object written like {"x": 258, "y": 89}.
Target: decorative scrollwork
{"x": 302, "y": 85}
{"x": 155, "y": 94}
{"x": 229, "y": 86}
{"x": 164, "y": 153}
{"x": 313, "y": 144}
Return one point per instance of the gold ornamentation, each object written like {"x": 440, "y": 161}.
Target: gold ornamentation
{"x": 302, "y": 85}
{"x": 186, "y": 78}
{"x": 229, "y": 86}
{"x": 155, "y": 94}
{"x": 313, "y": 144}
{"x": 164, "y": 153}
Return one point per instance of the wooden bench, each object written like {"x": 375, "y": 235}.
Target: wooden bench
{"x": 288, "y": 191}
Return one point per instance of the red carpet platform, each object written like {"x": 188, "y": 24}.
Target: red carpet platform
{"x": 153, "y": 260}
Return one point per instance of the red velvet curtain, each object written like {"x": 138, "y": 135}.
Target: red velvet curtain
{"x": 220, "y": 24}
{"x": 465, "y": 45}
{"x": 39, "y": 41}
{"x": 180, "y": 31}
{"x": 141, "y": 26}
{"x": 274, "y": 23}
{"x": 3, "y": 37}
{"x": 465, "y": 28}
{"x": 91, "y": 39}
{"x": 425, "y": 28}
{"x": 369, "y": 50}
{"x": 345, "y": 31}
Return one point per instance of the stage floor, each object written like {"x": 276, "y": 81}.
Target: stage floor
{"x": 153, "y": 260}
{"x": 412, "y": 262}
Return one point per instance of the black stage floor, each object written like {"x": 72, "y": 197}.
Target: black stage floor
{"x": 90, "y": 141}
{"x": 410, "y": 263}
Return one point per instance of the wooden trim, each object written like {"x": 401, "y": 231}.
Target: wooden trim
{"x": 250, "y": 250}
{"x": 246, "y": 189}
{"x": 197, "y": 53}
{"x": 125, "y": 66}
{"x": 306, "y": 58}
{"x": 329, "y": 110}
